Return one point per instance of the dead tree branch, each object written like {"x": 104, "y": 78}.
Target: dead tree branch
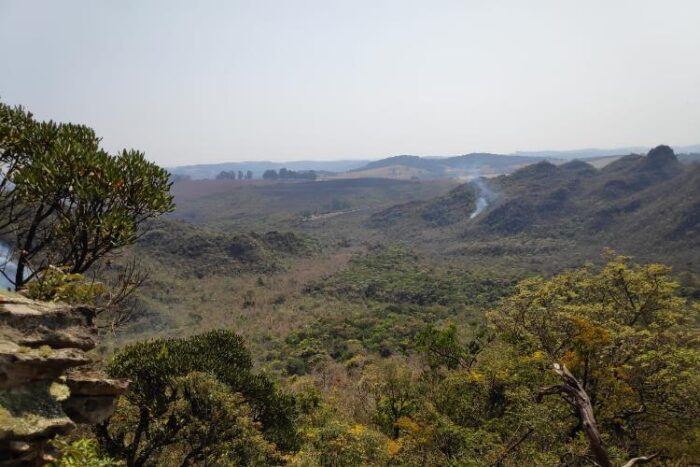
{"x": 575, "y": 394}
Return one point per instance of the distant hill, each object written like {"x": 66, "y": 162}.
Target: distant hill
{"x": 688, "y": 158}
{"x": 468, "y": 165}
{"x": 417, "y": 167}
{"x": 415, "y": 162}
{"x": 395, "y": 172}
{"x": 210, "y": 171}
{"x": 457, "y": 205}
{"x": 642, "y": 205}
{"x": 597, "y": 152}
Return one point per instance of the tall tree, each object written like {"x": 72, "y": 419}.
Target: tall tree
{"x": 65, "y": 200}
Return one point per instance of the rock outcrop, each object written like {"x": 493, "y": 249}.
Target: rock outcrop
{"x": 45, "y": 386}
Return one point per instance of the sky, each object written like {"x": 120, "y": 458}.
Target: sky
{"x": 206, "y": 81}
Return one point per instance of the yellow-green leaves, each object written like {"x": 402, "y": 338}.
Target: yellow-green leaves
{"x": 627, "y": 336}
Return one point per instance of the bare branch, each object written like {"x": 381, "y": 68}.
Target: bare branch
{"x": 512, "y": 446}
{"x": 640, "y": 460}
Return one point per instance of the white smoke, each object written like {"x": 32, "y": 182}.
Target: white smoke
{"x": 486, "y": 195}
{"x": 8, "y": 266}
{"x": 481, "y": 204}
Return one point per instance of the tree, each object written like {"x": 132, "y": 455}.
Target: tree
{"x": 201, "y": 422}
{"x": 270, "y": 174}
{"x": 336, "y": 443}
{"x": 240, "y": 175}
{"x": 442, "y": 348}
{"x": 160, "y": 412}
{"x": 623, "y": 343}
{"x": 394, "y": 390}
{"x": 249, "y": 175}
{"x": 67, "y": 202}
{"x": 629, "y": 341}
{"x": 224, "y": 175}
{"x": 16, "y": 126}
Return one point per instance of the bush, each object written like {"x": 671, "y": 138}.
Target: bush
{"x": 156, "y": 370}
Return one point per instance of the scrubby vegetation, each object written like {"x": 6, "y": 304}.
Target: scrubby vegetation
{"x": 484, "y": 398}
{"x": 202, "y": 251}
{"x": 382, "y": 301}
{"x": 396, "y": 275}
{"x": 625, "y": 335}
{"x": 402, "y": 354}
{"x": 372, "y": 322}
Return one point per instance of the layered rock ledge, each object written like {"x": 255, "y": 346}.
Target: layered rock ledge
{"x": 45, "y": 385}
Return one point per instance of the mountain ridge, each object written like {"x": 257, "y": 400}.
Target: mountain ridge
{"x": 480, "y": 163}
{"x": 637, "y": 204}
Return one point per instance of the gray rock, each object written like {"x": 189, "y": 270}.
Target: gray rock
{"x": 45, "y": 386}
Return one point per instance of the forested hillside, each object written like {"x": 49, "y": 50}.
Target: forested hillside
{"x": 646, "y": 206}
{"x": 364, "y": 321}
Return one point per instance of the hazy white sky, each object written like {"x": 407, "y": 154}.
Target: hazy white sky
{"x": 205, "y": 81}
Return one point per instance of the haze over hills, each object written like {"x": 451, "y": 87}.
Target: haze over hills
{"x": 411, "y": 166}
{"x": 642, "y": 205}
{"x": 597, "y": 152}
{"x": 205, "y": 171}
{"x": 467, "y": 165}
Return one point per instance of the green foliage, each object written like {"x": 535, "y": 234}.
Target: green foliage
{"x": 624, "y": 330}
{"x": 382, "y": 301}
{"x": 330, "y": 439}
{"x": 630, "y": 340}
{"x": 55, "y": 284}
{"x": 217, "y": 426}
{"x": 379, "y": 328}
{"x": 336, "y": 443}
{"x": 153, "y": 413}
{"x": 205, "y": 252}
{"x": 67, "y": 202}
{"x": 395, "y": 275}
{"x": 396, "y": 395}
{"x": 442, "y": 347}
{"x": 82, "y": 452}
{"x": 16, "y": 124}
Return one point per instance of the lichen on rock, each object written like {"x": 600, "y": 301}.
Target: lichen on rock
{"x": 45, "y": 387}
